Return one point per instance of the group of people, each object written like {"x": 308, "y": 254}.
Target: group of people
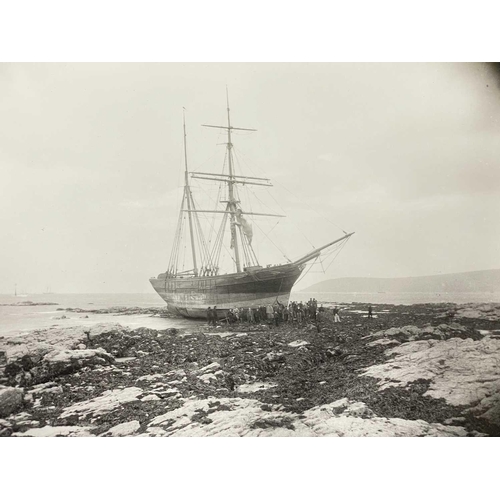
{"x": 277, "y": 313}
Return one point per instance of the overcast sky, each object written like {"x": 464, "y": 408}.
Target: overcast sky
{"x": 406, "y": 155}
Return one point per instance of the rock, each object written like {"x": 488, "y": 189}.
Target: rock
{"x": 150, "y": 397}
{"x": 11, "y": 398}
{"x": 124, "y": 429}
{"x": 298, "y": 343}
{"x": 212, "y": 367}
{"x": 24, "y": 357}
{"x": 207, "y": 378}
{"x": 81, "y": 346}
{"x": 48, "y": 388}
{"x": 4, "y": 423}
{"x": 108, "y": 401}
{"x": 461, "y": 371}
{"x": 125, "y": 360}
{"x": 49, "y": 431}
{"x": 63, "y": 362}
{"x": 149, "y": 378}
{"x": 384, "y": 342}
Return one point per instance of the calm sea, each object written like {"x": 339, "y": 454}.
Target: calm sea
{"x": 20, "y": 319}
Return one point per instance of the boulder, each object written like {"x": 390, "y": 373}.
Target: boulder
{"x": 24, "y": 357}
{"x": 63, "y": 361}
{"x": 11, "y": 398}
{"x": 124, "y": 429}
{"x": 33, "y": 368}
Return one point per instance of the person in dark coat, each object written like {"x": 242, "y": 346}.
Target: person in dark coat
{"x": 209, "y": 316}
{"x": 370, "y": 311}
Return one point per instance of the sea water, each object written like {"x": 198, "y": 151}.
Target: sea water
{"x": 22, "y": 319}
{"x": 16, "y": 319}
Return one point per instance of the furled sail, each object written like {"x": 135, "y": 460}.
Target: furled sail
{"x": 245, "y": 225}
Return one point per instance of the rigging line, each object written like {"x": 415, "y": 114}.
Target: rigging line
{"x": 281, "y": 251}
{"x": 338, "y": 253}
{"x": 309, "y": 267}
{"x": 283, "y": 211}
{"x": 219, "y": 243}
{"x": 301, "y": 200}
{"x": 203, "y": 164}
{"x": 177, "y": 237}
{"x": 203, "y": 244}
{"x": 310, "y": 207}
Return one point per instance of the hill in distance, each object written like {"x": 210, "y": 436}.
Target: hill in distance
{"x": 475, "y": 281}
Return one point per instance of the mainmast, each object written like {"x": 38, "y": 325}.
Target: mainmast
{"x": 187, "y": 194}
{"x": 232, "y": 202}
{"x": 232, "y": 209}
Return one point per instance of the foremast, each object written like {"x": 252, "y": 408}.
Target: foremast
{"x": 196, "y": 237}
{"x": 188, "y": 196}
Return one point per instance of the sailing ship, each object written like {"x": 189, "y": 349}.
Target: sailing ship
{"x": 190, "y": 292}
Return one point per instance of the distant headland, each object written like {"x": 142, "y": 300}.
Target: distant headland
{"x": 475, "y": 281}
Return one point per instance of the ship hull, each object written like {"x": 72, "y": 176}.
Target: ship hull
{"x": 190, "y": 297}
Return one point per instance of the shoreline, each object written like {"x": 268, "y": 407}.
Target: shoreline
{"x": 358, "y": 377}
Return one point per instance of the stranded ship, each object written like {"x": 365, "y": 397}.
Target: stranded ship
{"x": 190, "y": 292}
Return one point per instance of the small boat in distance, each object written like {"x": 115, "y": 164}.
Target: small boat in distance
{"x": 190, "y": 292}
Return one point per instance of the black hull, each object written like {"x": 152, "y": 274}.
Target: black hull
{"x": 190, "y": 297}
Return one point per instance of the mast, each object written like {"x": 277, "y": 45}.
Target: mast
{"x": 232, "y": 202}
{"x": 187, "y": 194}
{"x": 232, "y": 179}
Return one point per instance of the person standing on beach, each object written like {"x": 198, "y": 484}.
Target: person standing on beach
{"x": 214, "y": 316}
{"x": 336, "y": 317}
{"x": 370, "y": 311}
{"x": 251, "y": 318}
{"x": 209, "y": 316}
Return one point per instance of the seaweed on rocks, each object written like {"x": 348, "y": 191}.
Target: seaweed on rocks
{"x": 295, "y": 368}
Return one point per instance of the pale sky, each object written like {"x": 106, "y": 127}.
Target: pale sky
{"x": 91, "y": 159}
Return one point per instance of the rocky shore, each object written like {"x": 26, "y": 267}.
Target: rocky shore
{"x": 420, "y": 370}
